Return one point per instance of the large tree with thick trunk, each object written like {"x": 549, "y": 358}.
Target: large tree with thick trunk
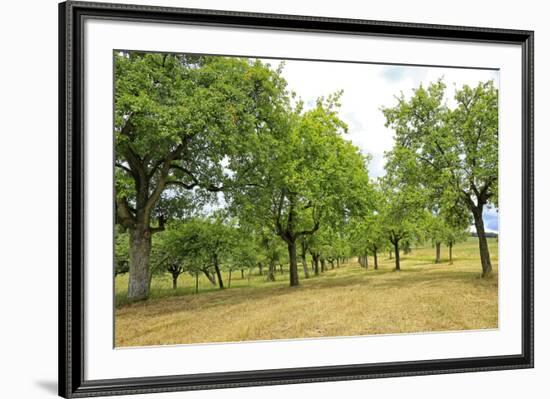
{"x": 181, "y": 122}
{"x": 452, "y": 151}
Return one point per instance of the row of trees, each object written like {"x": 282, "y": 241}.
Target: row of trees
{"x": 195, "y": 134}
{"x": 212, "y": 245}
{"x": 396, "y": 229}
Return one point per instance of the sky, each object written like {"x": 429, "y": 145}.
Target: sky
{"x": 369, "y": 87}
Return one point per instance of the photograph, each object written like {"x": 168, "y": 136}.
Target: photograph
{"x": 257, "y": 197}
{"x": 260, "y": 199}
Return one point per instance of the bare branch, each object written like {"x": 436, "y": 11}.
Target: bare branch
{"x": 180, "y": 183}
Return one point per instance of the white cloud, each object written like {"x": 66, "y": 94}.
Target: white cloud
{"x": 366, "y": 89}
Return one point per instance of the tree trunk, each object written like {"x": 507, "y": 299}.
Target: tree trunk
{"x": 397, "y": 260}
{"x": 375, "y": 254}
{"x": 483, "y": 247}
{"x": 304, "y": 264}
{"x": 140, "y": 249}
{"x": 366, "y": 261}
{"x": 209, "y": 276}
{"x": 242, "y": 274}
{"x": 281, "y": 268}
{"x": 229, "y": 282}
{"x": 337, "y": 262}
{"x": 323, "y": 265}
{"x": 437, "y": 252}
{"x": 391, "y": 255}
{"x": 261, "y": 267}
{"x": 175, "y": 281}
{"x": 218, "y": 271}
{"x": 407, "y": 248}
{"x": 306, "y": 270}
{"x": 293, "y": 263}
{"x": 197, "y": 283}
{"x": 316, "y": 264}
{"x": 271, "y": 272}
{"x": 450, "y": 253}
{"x": 150, "y": 280}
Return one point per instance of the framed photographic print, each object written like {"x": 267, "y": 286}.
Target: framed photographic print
{"x": 253, "y": 199}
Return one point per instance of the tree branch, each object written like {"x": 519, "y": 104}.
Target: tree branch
{"x": 124, "y": 214}
{"x": 180, "y": 183}
{"x": 161, "y": 183}
{"x": 310, "y": 231}
{"x": 125, "y": 168}
{"x": 278, "y": 224}
{"x": 160, "y": 227}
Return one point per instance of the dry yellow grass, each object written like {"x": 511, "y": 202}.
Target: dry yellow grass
{"x": 342, "y": 302}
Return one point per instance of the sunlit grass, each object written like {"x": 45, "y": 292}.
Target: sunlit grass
{"x": 344, "y": 301}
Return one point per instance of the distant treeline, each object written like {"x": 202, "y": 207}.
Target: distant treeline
{"x": 488, "y": 235}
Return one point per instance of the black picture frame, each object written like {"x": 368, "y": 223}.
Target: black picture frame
{"x": 71, "y": 200}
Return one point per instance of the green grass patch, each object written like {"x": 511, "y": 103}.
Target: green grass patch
{"x": 348, "y": 300}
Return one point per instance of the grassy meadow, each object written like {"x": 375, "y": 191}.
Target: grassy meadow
{"x": 344, "y": 301}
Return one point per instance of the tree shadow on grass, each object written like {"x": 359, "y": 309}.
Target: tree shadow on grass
{"x": 345, "y": 276}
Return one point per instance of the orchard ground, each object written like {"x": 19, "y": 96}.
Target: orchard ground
{"x": 344, "y": 301}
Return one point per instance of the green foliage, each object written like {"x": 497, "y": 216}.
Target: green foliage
{"x": 401, "y": 210}
{"x": 188, "y": 128}
{"x": 184, "y": 126}
{"x": 245, "y": 251}
{"x": 206, "y": 104}
{"x": 195, "y": 242}
{"x": 188, "y": 114}
{"x": 435, "y": 228}
{"x": 199, "y": 245}
{"x": 305, "y": 175}
{"x": 455, "y": 236}
{"x": 270, "y": 248}
{"x": 367, "y": 234}
{"x": 328, "y": 243}
{"x": 121, "y": 253}
{"x": 451, "y": 153}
